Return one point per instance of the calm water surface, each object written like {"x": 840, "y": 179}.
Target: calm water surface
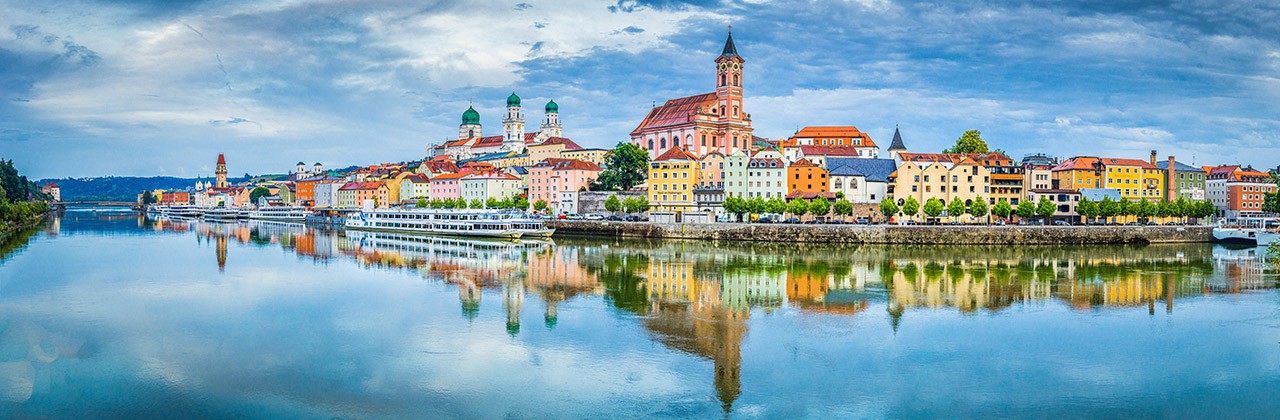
{"x": 107, "y": 314}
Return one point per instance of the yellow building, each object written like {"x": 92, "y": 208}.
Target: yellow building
{"x": 946, "y": 178}
{"x": 551, "y": 148}
{"x": 672, "y": 177}
{"x": 1134, "y": 179}
{"x": 596, "y": 156}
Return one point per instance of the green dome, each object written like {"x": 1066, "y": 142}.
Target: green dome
{"x": 513, "y": 100}
{"x": 552, "y": 107}
{"x": 470, "y": 116}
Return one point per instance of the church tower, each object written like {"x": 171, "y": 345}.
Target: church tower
{"x": 729, "y": 82}
{"x": 221, "y": 171}
{"x": 470, "y": 127}
{"x": 513, "y": 125}
{"x": 551, "y": 127}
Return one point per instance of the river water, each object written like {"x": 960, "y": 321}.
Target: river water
{"x": 104, "y": 313}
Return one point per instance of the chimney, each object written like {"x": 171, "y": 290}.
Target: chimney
{"x": 1169, "y": 181}
{"x": 1153, "y": 158}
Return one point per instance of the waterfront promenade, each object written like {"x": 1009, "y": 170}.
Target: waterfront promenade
{"x": 890, "y": 234}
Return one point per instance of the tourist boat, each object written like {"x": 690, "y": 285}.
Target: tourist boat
{"x": 484, "y": 223}
{"x": 190, "y": 212}
{"x": 281, "y": 213}
{"x": 223, "y": 214}
{"x": 1259, "y": 234}
{"x": 529, "y": 226}
{"x": 157, "y": 209}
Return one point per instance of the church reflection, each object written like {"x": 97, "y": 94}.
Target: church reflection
{"x": 698, "y": 298}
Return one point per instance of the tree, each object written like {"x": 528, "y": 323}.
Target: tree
{"x": 491, "y": 203}
{"x": 820, "y": 207}
{"x": 1124, "y": 208}
{"x": 842, "y": 207}
{"x": 422, "y": 203}
{"x": 969, "y": 142}
{"x": 521, "y": 203}
{"x": 733, "y": 205}
{"x": 1271, "y": 202}
{"x": 775, "y": 205}
{"x": 1108, "y": 207}
{"x": 477, "y": 203}
{"x": 933, "y": 207}
{"x": 978, "y": 209}
{"x": 1164, "y": 208}
{"x": 147, "y": 198}
{"x": 1025, "y": 209}
{"x": 1204, "y": 208}
{"x": 757, "y": 205}
{"x": 888, "y": 208}
{"x": 1144, "y": 209}
{"x": 540, "y": 205}
{"x": 626, "y": 166}
{"x": 956, "y": 209}
{"x": 1045, "y": 208}
{"x": 1002, "y": 209}
{"x": 798, "y": 207}
{"x": 614, "y": 205}
{"x": 258, "y": 193}
{"x": 1087, "y": 208}
{"x": 642, "y": 204}
{"x": 910, "y": 207}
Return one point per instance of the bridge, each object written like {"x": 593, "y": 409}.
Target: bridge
{"x": 97, "y": 203}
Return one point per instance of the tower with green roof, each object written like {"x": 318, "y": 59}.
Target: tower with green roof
{"x": 551, "y": 126}
{"x": 470, "y": 124}
{"x": 513, "y": 125}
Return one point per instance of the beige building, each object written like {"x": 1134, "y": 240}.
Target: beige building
{"x": 672, "y": 178}
{"x": 596, "y": 156}
{"x": 964, "y": 180}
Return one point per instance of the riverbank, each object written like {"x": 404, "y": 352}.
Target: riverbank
{"x": 890, "y": 234}
{"x": 7, "y": 229}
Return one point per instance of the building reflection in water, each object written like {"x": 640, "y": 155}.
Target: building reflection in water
{"x": 698, "y": 297}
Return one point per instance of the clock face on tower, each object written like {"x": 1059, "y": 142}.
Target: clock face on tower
{"x": 724, "y": 66}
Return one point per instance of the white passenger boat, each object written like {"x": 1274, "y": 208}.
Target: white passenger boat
{"x": 529, "y": 226}
{"x": 281, "y": 213}
{"x": 223, "y": 214}
{"x": 484, "y": 223}
{"x": 190, "y": 212}
{"x": 1259, "y": 232}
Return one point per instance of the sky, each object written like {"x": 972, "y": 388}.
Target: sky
{"x": 151, "y": 87}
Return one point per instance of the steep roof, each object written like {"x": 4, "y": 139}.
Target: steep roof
{"x": 675, "y": 153}
{"x": 897, "y": 141}
{"x": 841, "y": 131}
{"x": 676, "y": 111}
{"x": 222, "y": 160}
{"x": 367, "y": 185}
{"x": 449, "y": 176}
{"x": 730, "y": 50}
{"x": 559, "y": 164}
{"x": 551, "y": 141}
{"x": 875, "y": 170}
{"x": 417, "y": 178}
{"x": 829, "y": 150}
{"x": 1177, "y": 166}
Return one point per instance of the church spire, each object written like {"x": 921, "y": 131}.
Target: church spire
{"x": 730, "y": 50}
{"x": 897, "y": 141}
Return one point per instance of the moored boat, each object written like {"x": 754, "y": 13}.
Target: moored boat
{"x": 482, "y": 223}
{"x": 222, "y": 214}
{"x": 281, "y": 213}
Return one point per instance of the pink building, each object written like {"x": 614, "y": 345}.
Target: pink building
{"x": 703, "y": 123}
{"x": 712, "y": 172}
{"x": 447, "y": 186}
{"x": 552, "y": 178}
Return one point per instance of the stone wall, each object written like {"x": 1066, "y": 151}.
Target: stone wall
{"x": 592, "y": 202}
{"x": 891, "y": 234}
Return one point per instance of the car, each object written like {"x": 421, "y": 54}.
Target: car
{"x": 614, "y": 218}
{"x": 765, "y": 219}
{"x": 1061, "y": 223}
{"x": 593, "y": 217}
{"x": 1133, "y": 224}
{"x": 632, "y": 218}
{"x": 791, "y": 221}
{"x": 863, "y": 221}
{"x": 1170, "y": 223}
{"x": 836, "y": 222}
{"x": 954, "y": 223}
{"x": 562, "y": 217}
{"x": 1000, "y": 222}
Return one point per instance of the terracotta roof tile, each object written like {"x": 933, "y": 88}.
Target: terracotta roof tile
{"x": 675, "y": 111}
{"x": 676, "y": 153}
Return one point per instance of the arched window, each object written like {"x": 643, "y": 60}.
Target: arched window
{"x": 650, "y": 144}
{"x": 736, "y": 82}
{"x": 662, "y": 142}
{"x": 675, "y": 141}
{"x": 722, "y": 80}
{"x": 704, "y": 140}
{"x": 721, "y": 110}
{"x": 839, "y": 183}
{"x": 713, "y": 141}
{"x": 735, "y": 111}
{"x": 688, "y": 139}
{"x": 735, "y": 140}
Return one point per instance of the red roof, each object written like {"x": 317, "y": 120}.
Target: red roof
{"x": 675, "y": 153}
{"x": 830, "y": 150}
{"x": 568, "y": 144}
{"x": 368, "y": 185}
{"x": 449, "y": 176}
{"x": 569, "y": 164}
{"x": 51, "y": 185}
{"x": 439, "y": 166}
{"x": 221, "y": 160}
{"x": 840, "y": 131}
{"x": 676, "y": 111}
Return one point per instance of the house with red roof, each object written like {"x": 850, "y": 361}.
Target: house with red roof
{"x": 1237, "y": 192}
{"x": 672, "y": 178}
{"x": 556, "y": 180}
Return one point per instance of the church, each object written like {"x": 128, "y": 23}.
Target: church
{"x": 701, "y": 124}
{"x": 472, "y": 142}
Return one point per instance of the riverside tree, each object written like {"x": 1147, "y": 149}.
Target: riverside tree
{"x": 978, "y": 209}
{"x": 910, "y": 207}
{"x": 798, "y": 207}
{"x": 540, "y": 205}
{"x": 1026, "y": 209}
{"x": 820, "y": 207}
{"x": 775, "y": 205}
{"x": 1087, "y": 208}
{"x": 956, "y": 209}
{"x": 888, "y": 208}
{"x": 626, "y": 166}
{"x": 1108, "y": 208}
{"x": 1045, "y": 208}
{"x": 1002, "y": 209}
{"x": 842, "y": 207}
{"x": 933, "y": 207}
{"x": 258, "y": 193}
{"x": 614, "y": 205}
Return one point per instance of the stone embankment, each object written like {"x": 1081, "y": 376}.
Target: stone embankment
{"x": 890, "y": 234}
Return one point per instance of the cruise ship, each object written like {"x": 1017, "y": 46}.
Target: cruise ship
{"x": 484, "y": 223}
{"x": 191, "y": 212}
{"x": 281, "y": 213}
{"x": 223, "y": 214}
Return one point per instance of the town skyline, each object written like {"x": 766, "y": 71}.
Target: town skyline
{"x": 171, "y": 86}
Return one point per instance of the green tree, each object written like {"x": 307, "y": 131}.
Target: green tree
{"x": 1087, "y": 208}
{"x": 1026, "y": 209}
{"x": 642, "y": 204}
{"x": 626, "y": 166}
{"x": 422, "y": 203}
{"x": 521, "y": 203}
{"x": 148, "y": 198}
{"x": 1144, "y": 209}
{"x": 910, "y": 207}
{"x": 933, "y": 207}
{"x": 1124, "y": 208}
{"x": 1271, "y": 202}
{"x": 1164, "y": 208}
{"x": 1108, "y": 208}
{"x": 1045, "y": 208}
{"x": 978, "y": 209}
{"x": 540, "y": 205}
{"x": 956, "y": 209}
{"x": 736, "y": 206}
{"x": 758, "y": 205}
{"x": 477, "y": 203}
{"x": 888, "y": 208}
{"x": 843, "y": 208}
{"x": 614, "y": 205}
{"x": 775, "y": 205}
{"x": 820, "y": 207}
{"x": 258, "y": 193}
{"x": 491, "y": 203}
{"x": 798, "y": 207}
{"x": 969, "y": 142}
{"x": 1002, "y": 209}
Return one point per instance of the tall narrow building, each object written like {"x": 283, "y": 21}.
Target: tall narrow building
{"x": 221, "y": 171}
{"x": 513, "y": 125}
{"x": 551, "y": 126}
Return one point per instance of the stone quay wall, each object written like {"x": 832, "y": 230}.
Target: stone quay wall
{"x": 889, "y": 234}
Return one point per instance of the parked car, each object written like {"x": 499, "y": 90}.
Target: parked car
{"x": 632, "y": 218}
{"x": 954, "y": 223}
{"x": 792, "y": 221}
{"x": 614, "y": 218}
{"x": 1000, "y": 222}
{"x": 562, "y": 217}
{"x": 1133, "y": 224}
{"x": 765, "y": 219}
{"x": 1061, "y": 223}
{"x": 836, "y": 222}
{"x": 593, "y": 217}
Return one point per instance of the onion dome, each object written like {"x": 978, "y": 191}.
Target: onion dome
{"x": 553, "y": 107}
{"x": 513, "y": 100}
{"x": 470, "y": 116}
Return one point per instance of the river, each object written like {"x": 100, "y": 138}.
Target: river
{"x": 105, "y": 313}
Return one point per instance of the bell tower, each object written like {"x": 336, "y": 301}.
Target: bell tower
{"x": 221, "y": 172}
{"x": 513, "y": 125}
{"x": 729, "y": 66}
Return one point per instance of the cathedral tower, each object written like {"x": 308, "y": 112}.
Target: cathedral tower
{"x": 221, "y": 171}
{"x": 551, "y": 127}
{"x": 470, "y": 127}
{"x": 729, "y": 82}
{"x": 513, "y": 125}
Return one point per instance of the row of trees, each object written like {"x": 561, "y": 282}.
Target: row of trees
{"x": 934, "y": 207}
{"x": 798, "y": 207}
{"x": 1045, "y": 208}
{"x": 20, "y": 211}
{"x": 634, "y": 204}
{"x": 517, "y": 203}
{"x": 1144, "y": 209}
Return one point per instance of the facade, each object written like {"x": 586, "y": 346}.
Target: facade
{"x": 1007, "y": 177}
{"x": 1184, "y": 181}
{"x": 596, "y": 156}
{"x": 326, "y": 194}
{"x": 1037, "y": 177}
{"x": 446, "y": 186}
{"x": 471, "y": 141}
{"x": 551, "y": 148}
{"x": 709, "y": 199}
{"x": 486, "y": 185}
{"x": 964, "y": 180}
{"x": 700, "y": 124}
{"x": 672, "y": 178}
{"x": 307, "y": 189}
{"x": 1065, "y": 200}
{"x": 860, "y": 180}
{"x": 849, "y": 138}
{"x": 763, "y": 175}
{"x": 552, "y": 179}
{"x": 353, "y": 194}
{"x": 1237, "y": 192}
{"x": 1135, "y": 179}
{"x": 52, "y": 190}
{"x": 819, "y": 154}
{"x": 220, "y": 172}
{"x": 805, "y": 178}
{"x": 712, "y": 170}
{"x": 415, "y": 186}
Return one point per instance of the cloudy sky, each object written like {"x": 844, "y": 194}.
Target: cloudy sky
{"x": 150, "y": 87}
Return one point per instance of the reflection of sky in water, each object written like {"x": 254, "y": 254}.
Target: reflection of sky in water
{"x": 105, "y": 320}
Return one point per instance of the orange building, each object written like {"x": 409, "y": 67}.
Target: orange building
{"x": 1237, "y": 192}
{"x": 805, "y": 179}
{"x": 844, "y": 141}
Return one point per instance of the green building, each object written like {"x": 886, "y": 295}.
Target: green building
{"x": 1188, "y": 181}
